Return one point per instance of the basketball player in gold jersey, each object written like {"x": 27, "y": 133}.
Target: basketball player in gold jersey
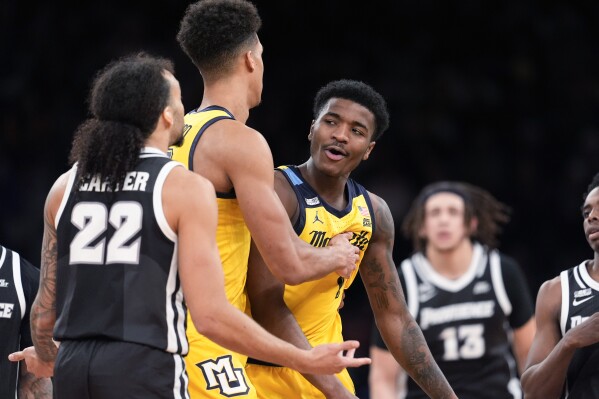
{"x": 321, "y": 200}
{"x": 220, "y": 37}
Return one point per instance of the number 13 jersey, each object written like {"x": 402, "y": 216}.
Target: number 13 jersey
{"x": 466, "y": 325}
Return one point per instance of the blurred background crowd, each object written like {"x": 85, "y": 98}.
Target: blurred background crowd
{"x": 504, "y": 95}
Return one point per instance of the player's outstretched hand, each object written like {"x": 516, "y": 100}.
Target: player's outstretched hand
{"x": 332, "y": 358}
{"x": 35, "y": 365}
{"x": 347, "y": 253}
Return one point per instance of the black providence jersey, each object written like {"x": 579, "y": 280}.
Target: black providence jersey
{"x": 19, "y": 281}
{"x": 465, "y": 324}
{"x": 580, "y": 299}
{"x": 117, "y": 274}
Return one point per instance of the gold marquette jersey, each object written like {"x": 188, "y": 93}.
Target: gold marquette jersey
{"x": 232, "y": 235}
{"x": 314, "y": 304}
{"x": 207, "y": 360}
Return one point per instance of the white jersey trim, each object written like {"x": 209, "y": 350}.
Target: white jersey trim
{"x": 157, "y": 200}
{"x": 584, "y": 274}
{"x": 16, "y": 272}
{"x": 175, "y": 332}
{"x": 428, "y": 273}
{"x": 411, "y": 287}
{"x": 2, "y": 256}
{"x": 67, "y": 194}
{"x": 499, "y": 284}
{"x": 180, "y": 378}
{"x": 148, "y": 152}
{"x": 565, "y": 301}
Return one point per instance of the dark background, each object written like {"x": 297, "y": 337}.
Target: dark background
{"x": 500, "y": 94}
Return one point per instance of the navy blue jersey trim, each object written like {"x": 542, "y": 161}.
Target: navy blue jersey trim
{"x": 231, "y": 194}
{"x": 370, "y": 207}
{"x": 293, "y": 180}
{"x": 197, "y": 138}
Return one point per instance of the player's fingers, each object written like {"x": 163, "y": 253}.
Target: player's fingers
{"x": 350, "y": 353}
{"x": 357, "y": 362}
{"x": 16, "y": 356}
{"x": 348, "y": 235}
{"x": 349, "y": 344}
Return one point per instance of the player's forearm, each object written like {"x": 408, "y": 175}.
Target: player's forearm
{"x": 293, "y": 261}
{"x": 230, "y": 328}
{"x": 42, "y": 329}
{"x": 412, "y": 353}
{"x": 546, "y": 379}
{"x": 282, "y": 324}
{"x": 31, "y": 387}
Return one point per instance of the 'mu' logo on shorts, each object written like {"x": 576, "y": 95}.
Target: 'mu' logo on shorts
{"x": 222, "y": 375}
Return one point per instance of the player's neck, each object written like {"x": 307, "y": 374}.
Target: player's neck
{"x": 593, "y": 267}
{"x": 452, "y": 263}
{"x": 330, "y": 188}
{"x": 158, "y": 139}
{"x": 231, "y": 94}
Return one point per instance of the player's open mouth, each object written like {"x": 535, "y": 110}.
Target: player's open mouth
{"x": 335, "y": 153}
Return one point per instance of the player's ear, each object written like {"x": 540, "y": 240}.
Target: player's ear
{"x": 368, "y": 150}
{"x": 311, "y": 134}
{"x": 250, "y": 62}
{"x": 473, "y": 227}
{"x": 169, "y": 116}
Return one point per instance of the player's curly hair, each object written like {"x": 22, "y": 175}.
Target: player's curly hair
{"x": 125, "y": 101}
{"x": 214, "y": 32}
{"x": 358, "y": 92}
{"x": 479, "y": 204}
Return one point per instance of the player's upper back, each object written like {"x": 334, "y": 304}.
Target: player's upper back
{"x": 117, "y": 265}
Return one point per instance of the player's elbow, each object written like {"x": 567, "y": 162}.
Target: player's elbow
{"x": 288, "y": 271}
{"x": 291, "y": 277}
{"x": 206, "y": 324}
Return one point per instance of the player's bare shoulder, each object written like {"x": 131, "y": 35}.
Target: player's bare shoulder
{"x": 385, "y": 227}
{"x": 182, "y": 184}
{"x": 186, "y": 193}
{"x": 286, "y": 194}
{"x": 57, "y": 192}
{"x": 549, "y": 298}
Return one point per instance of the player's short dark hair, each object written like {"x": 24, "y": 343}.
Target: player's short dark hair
{"x": 213, "y": 32}
{"x": 478, "y": 203}
{"x": 126, "y": 100}
{"x": 358, "y": 92}
{"x": 594, "y": 184}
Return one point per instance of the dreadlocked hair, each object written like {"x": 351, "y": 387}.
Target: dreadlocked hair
{"x": 126, "y": 100}
{"x": 479, "y": 204}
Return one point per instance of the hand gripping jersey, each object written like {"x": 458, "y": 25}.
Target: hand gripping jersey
{"x": 19, "y": 281}
{"x": 467, "y": 323}
{"x": 315, "y": 303}
{"x": 214, "y": 371}
{"x": 117, "y": 276}
{"x": 580, "y": 299}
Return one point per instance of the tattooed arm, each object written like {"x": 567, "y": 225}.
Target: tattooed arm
{"x": 31, "y": 387}
{"x": 43, "y": 311}
{"x": 400, "y": 332}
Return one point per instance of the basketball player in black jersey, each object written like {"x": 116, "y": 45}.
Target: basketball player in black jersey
{"x": 321, "y": 199}
{"x": 564, "y": 358}
{"x": 127, "y": 234}
{"x": 19, "y": 281}
{"x": 471, "y": 302}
